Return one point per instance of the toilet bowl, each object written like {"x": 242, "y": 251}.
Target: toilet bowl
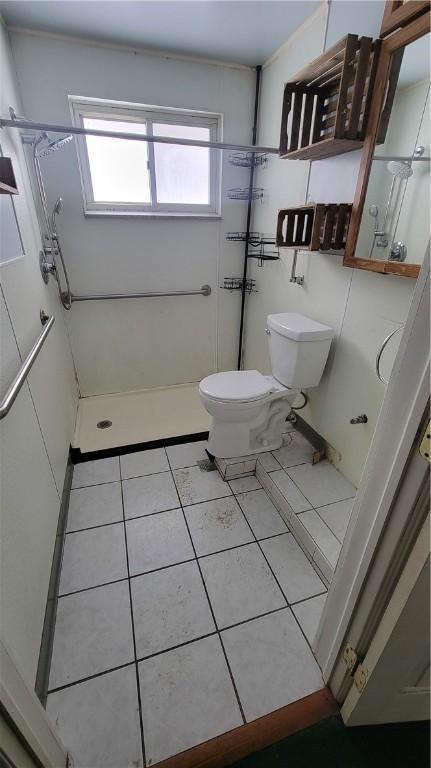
{"x": 248, "y": 409}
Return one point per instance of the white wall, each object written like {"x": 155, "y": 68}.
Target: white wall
{"x": 121, "y": 346}
{"x": 36, "y": 434}
{"x": 362, "y": 307}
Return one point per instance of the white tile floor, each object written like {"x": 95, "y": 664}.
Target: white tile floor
{"x": 186, "y": 609}
{"x": 320, "y": 497}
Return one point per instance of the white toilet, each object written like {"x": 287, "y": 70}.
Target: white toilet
{"x": 248, "y": 409}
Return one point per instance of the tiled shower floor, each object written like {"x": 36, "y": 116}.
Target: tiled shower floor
{"x": 186, "y": 609}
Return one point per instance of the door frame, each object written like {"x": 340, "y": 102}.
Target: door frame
{"x": 400, "y": 421}
{"x": 26, "y": 717}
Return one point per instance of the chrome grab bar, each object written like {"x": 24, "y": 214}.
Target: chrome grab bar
{"x": 381, "y": 350}
{"x": 204, "y": 291}
{"x": 12, "y": 393}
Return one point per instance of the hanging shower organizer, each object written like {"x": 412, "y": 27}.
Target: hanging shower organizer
{"x": 248, "y": 159}
{"x": 245, "y": 193}
{"x": 259, "y": 246}
{"x": 236, "y": 284}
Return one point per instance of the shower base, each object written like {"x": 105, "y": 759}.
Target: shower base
{"x": 138, "y": 417}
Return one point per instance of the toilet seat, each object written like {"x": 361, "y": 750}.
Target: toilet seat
{"x": 236, "y": 386}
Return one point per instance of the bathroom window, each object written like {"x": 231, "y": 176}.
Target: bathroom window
{"x": 123, "y": 176}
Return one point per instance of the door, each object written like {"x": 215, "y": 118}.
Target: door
{"x": 390, "y": 507}
{"x": 392, "y": 683}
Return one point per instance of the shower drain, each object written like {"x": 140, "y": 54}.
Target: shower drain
{"x": 104, "y": 424}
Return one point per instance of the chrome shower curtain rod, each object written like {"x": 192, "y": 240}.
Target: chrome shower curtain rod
{"x": 32, "y": 126}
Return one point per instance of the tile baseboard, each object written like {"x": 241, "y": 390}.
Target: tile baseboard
{"x": 47, "y": 639}
{"x": 241, "y": 466}
{"x": 293, "y": 522}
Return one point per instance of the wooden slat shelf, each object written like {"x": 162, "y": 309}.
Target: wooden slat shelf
{"x": 320, "y": 227}
{"x": 326, "y": 106}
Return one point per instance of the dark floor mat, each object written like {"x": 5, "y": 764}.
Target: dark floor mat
{"x": 330, "y": 744}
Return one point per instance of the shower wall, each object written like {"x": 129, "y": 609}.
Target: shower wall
{"x": 36, "y": 434}
{"x": 127, "y": 345}
{"x": 409, "y": 126}
{"x": 362, "y": 307}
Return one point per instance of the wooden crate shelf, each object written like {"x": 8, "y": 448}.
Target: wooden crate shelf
{"x": 326, "y": 106}
{"x": 321, "y": 227}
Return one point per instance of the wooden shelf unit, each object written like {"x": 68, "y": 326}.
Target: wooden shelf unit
{"x": 320, "y": 227}
{"x": 326, "y": 106}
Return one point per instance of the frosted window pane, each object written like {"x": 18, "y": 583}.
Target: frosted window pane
{"x": 182, "y": 173}
{"x": 118, "y": 167}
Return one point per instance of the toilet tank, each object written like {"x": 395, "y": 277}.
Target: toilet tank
{"x": 298, "y": 348}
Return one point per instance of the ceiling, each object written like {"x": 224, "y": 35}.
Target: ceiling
{"x": 229, "y": 30}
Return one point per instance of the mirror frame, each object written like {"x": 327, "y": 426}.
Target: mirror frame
{"x": 413, "y": 31}
{"x": 398, "y": 13}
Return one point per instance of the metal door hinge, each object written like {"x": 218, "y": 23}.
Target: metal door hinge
{"x": 360, "y": 677}
{"x": 350, "y": 658}
{"x": 355, "y": 666}
{"x": 425, "y": 446}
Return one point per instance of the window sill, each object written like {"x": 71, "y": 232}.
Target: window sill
{"x": 149, "y": 215}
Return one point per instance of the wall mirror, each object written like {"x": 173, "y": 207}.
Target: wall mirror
{"x": 11, "y": 246}
{"x": 390, "y": 225}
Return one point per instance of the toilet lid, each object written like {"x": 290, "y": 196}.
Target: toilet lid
{"x": 241, "y": 386}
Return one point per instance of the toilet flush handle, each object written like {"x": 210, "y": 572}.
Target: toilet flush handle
{"x": 268, "y": 331}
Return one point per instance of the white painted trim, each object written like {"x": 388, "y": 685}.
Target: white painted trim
{"x": 322, "y": 9}
{"x": 94, "y": 43}
{"x": 402, "y": 410}
{"x": 25, "y": 711}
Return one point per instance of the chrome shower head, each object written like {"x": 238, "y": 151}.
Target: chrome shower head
{"x": 399, "y": 170}
{"x": 53, "y": 145}
{"x": 55, "y": 211}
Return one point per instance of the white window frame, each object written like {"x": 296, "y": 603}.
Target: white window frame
{"x": 84, "y": 107}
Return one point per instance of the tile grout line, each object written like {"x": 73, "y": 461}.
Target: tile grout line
{"x": 289, "y": 604}
{"x": 212, "y": 611}
{"x": 328, "y": 527}
{"x": 282, "y": 591}
{"x": 263, "y": 538}
{"x": 141, "y": 722}
{"x": 91, "y": 677}
{"x": 217, "y": 630}
{"x": 179, "y": 645}
{"x": 316, "y": 509}
{"x": 234, "y": 495}
{"x": 306, "y": 599}
{"x": 308, "y": 555}
{"x": 171, "y": 565}
{"x": 312, "y": 509}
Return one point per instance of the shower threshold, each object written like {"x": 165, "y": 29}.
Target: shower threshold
{"x": 139, "y": 417}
